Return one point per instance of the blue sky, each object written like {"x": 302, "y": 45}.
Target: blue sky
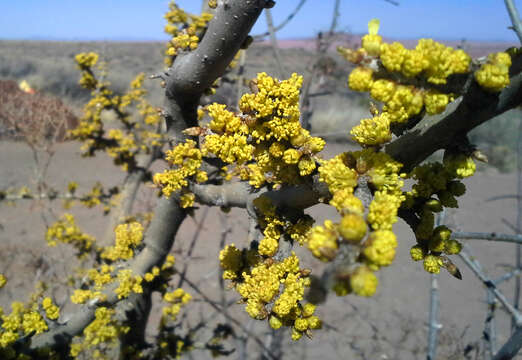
{"x": 485, "y": 20}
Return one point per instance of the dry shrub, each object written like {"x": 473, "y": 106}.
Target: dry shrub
{"x": 36, "y": 118}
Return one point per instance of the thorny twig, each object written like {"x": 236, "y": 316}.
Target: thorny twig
{"x": 434, "y": 325}
{"x": 517, "y": 239}
{"x": 284, "y": 23}
{"x": 476, "y": 269}
{"x": 273, "y": 42}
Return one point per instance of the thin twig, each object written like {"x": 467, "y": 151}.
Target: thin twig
{"x": 490, "y": 327}
{"x": 475, "y": 268}
{"x": 507, "y": 276}
{"x": 434, "y": 325}
{"x": 515, "y": 18}
{"x": 517, "y": 239}
{"x": 273, "y": 42}
{"x": 516, "y": 301}
{"x": 510, "y": 349}
{"x": 195, "y": 237}
{"x": 335, "y": 17}
{"x": 283, "y": 24}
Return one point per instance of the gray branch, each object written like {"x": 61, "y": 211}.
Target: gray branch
{"x": 517, "y": 239}
{"x": 284, "y": 23}
{"x": 515, "y": 18}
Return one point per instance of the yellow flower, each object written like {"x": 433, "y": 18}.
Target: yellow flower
{"x": 187, "y": 200}
{"x": 374, "y": 131}
{"x": 372, "y": 42}
{"x": 417, "y": 253}
{"x": 336, "y": 174}
{"x": 363, "y": 282}
{"x": 494, "y": 75}
{"x": 432, "y": 264}
{"x": 380, "y": 247}
{"x": 392, "y": 56}
{"x": 435, "y": 102}
{"x": 452, "y": 247}
{"x": 352, "y": 228}
{"x": 322, "y": 241}
{"x": 360, "y": 79}
{"x": 291, "y": 156}
{"x": 346, "y": 202}
{"x": 382, "y": 90}
{"x": 459, "y": 165}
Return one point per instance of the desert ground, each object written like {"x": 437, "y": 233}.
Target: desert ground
{"x": 391, "y": 325}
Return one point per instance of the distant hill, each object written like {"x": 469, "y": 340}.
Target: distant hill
{"x": 474, "y": 48}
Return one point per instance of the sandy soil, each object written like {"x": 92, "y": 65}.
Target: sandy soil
{"x": 391, "y": 325}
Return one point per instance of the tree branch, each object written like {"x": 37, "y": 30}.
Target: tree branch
{"x": 436, "y": 132}
{"x": 517, "y": 239}
{"x": 283, "y": 24}
{"x": 515, "y": 18}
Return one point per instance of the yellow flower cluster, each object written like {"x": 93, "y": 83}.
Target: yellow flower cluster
{"x": 440, "y": 180}
{"x": 3, "y": 280}
{"x": 138, "y": 134}
{"x": 80, "y": 296}
{"x": 128, "y": 236}
{"x": 459, "y": 165}
{"x": 33, "y": 322}
{"x": 184, "y": 29}
{"x": 234, "y": 261}
{"x": 413, "y": 73}
{"x": 494, "y": 74}
{"x": 265, "y": 141}
{"x": 66, "y": 231}
{"x": 322, "y": 241}
{"x": 51, "y": 310}
{"x": 379, "y": 249}
{"x": 151, "y": 275}
{"x": 362, "y": 281}
{"x": 374, "y": 131}
{"x": 341, "y": 174}
{"x": 86, "y": 60}
{"x": 101, "y": 277}
{"x": 103, "y": 330}
{"x": 336, "y": 174}
{"x": 271, "y": 225}
{"x": 22, "y": 321}
{"x": 176, "y": 300}
{"x": 186, "y": 158}
{"x": 259, "y": 286}
{"x": 128, "y": 284}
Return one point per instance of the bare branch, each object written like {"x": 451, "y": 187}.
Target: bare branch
{"x": 511, "y": 347}
{"x": 284, "y": 23}
{"x": 517, "y": 239}
{"x": 434, "y": 326}
{"x": 515, "y": 18}
{"x": 273, "y": 42}
{"x": 475, "y": 268}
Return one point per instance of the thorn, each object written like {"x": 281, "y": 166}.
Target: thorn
{"x": 156, "y": 76}
{"x": 480, "y": 156}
